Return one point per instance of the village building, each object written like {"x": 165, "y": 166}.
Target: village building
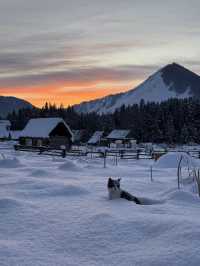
{"x": 47, "y": 132}
{"x": 121, "y": 138}
{"x": 79, "y": 136}
{"x": 96, "y": 138}
{"x": 15, "y": 134}
{"x": 5, "y": 126}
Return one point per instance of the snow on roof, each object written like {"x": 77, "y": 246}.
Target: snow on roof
{"x": 118, "y": 134}
{"x": 42, "y": 127}
{"x": 5, "y": 122}
{"x": 95, "y": 137}
{"x": 4, "y": 133}
{"x": 15, "y": 134}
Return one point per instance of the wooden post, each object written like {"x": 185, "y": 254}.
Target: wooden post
{"x": 63, "y": 153}
{"x": 179, "y": 172}
{"x": 151, "y": 171}
{"x": 138, "y": 155}
{"x": 40, "y": 150}
{"x": 104, "y": 159}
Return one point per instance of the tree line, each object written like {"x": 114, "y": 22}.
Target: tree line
{"x": 171, "y": 121}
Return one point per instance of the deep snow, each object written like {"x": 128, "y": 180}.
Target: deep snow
{"x": 56, "y": 211}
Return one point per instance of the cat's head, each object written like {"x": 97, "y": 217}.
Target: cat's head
{"x": 114, "y": 183}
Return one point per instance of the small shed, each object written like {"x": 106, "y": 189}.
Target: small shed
{"x": 79, "y": 136}
{"x": 96, "y": 138}
{"x": 121, "y": 138}
{"x": 15, "y": 134}
{"x": 5, "y": 126}
{"x": 47, "y": 132}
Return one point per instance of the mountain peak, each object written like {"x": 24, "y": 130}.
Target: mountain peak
{"x": 181, "y": 79}
{"x": 171, "y": 81}
{"x": 176, "y": 67}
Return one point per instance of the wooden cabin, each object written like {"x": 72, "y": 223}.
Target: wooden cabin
{"x": 120, "y": 138}
{"x": 79, "y": 136}
{"x": 46, "y": 132}
{"x": 5, "y": 129}
{"x": 96, "y": 138}
{"x": 15, "y": 134}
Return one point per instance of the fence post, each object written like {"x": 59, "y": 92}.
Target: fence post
{"x": 179, "y": 172}
{"x": 104, "y": 159}
{"x": 63, "y": 153}
{"x": 138, "y": 155}
{"x": 40, "y": 150}
{"x": 116, "y": 162}
{"x": 151, "y": 171}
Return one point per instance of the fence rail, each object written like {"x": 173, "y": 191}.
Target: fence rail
{"x": 117, "y": 154}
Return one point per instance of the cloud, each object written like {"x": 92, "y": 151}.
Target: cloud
{"x": 91, "y": 75}
{"x": 84, "y": 45}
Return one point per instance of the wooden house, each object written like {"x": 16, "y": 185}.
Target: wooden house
{"x": 120, "y": 138}
{"x": 79, "y": 136}
{"x": 15, "y": 134}
{"x": 5, "y": 126}
{"x": 96, "y": 138}
{"x": 46, "y": 132}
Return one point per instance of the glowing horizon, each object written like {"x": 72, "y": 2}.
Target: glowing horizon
{"x": 63, "y": 94}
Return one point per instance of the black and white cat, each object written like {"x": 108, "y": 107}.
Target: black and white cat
{"x": 115, "y": 192}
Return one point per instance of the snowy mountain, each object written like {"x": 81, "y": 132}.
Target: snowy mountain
{"x": 9, "y": 104}
{"x": 172, "y": 81}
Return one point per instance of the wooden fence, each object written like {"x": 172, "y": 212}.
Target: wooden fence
{"x": 116, "y": 154}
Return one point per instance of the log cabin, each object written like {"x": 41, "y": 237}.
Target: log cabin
{"x": 47, "y": 132}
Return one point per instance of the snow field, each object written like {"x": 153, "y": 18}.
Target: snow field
{"x": 56, "y": 211}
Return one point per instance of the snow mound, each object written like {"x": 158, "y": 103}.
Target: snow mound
{"x": 10, "y": 163}
{"x": 70, "y": 166}
{"x": 82, "y": 161}
{"x": 39, "y": 173}
{"x": 8, "y": 203}
{"x": 183, "y": 196}
{"x": 70, "y": 190}
{"x": 51, "y": 189}
{"x": 171, "y": 160}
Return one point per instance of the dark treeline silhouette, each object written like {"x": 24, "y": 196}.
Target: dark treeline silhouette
{"x": 172, "y": 121}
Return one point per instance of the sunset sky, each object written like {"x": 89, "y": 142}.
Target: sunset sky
{"x": 64, "y": 51}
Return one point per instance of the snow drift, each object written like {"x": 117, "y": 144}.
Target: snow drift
{"x": 171, "y": 160}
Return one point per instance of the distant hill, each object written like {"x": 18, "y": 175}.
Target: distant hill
{"x": 9, "y": 104}
{"x": 172, "y": 81}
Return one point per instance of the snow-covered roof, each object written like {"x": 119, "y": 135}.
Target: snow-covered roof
{"x": 95, "y": 137}
{"x": 42, "y": 127}
{"x": 4, "y": 133}
{"x": 15, "y": 134}
{"x": 5, "y": 122}
{"x": 118, "y": 134}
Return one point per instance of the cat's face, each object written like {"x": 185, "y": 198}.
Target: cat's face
{"x": 114, "y": 183}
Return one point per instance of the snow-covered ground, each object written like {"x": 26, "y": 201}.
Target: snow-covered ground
{"x": 56, "y": 211}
